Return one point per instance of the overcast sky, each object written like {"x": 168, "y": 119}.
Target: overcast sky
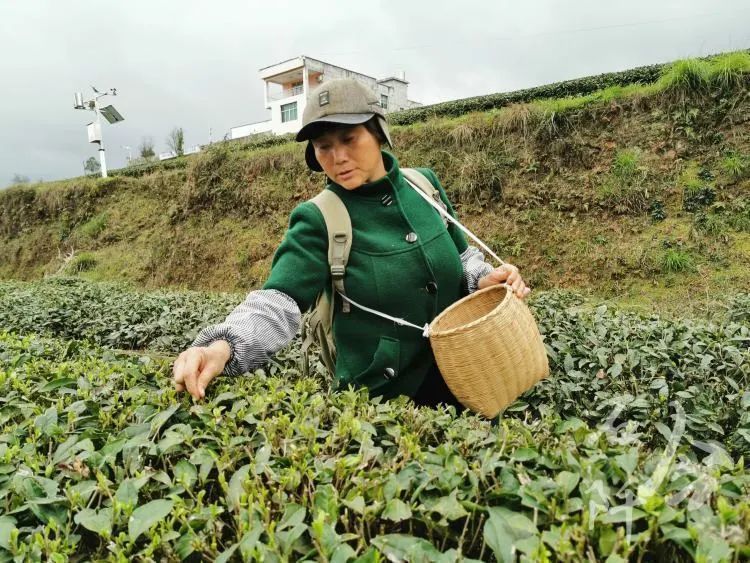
{"x": 195, "y": 64}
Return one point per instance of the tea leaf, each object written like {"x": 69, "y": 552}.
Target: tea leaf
{"x": 7, "y": 525}
{"x": 99, "y": 522}
{"x": 147, "y": 515}
{"x": 396, "y": 510}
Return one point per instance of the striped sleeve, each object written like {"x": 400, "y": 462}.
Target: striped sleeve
{"x": 266, "y": 321}
{"x": 475, "y": 268}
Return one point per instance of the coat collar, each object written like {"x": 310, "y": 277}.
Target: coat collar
{"x": 377, "y": 188}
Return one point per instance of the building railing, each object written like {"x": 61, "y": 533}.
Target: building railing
{"x": 296, "y": 91}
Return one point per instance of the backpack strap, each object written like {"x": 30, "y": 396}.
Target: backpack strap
{"x": 339, "y": 227}
{"x": 424, "y": 184}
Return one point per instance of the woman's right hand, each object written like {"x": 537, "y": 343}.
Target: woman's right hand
{"x": 196, "y": 367}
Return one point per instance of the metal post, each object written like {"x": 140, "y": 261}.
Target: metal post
{"x": 102, "y": 158}
{"x": 305, "y": 78}
{"x": 130, "y": 154}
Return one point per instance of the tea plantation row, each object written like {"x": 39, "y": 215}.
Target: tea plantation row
{"x": 634, "y": 448}
{"x": 603, "y": 362}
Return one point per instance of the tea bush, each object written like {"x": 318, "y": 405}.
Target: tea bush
{"x": 99, "y": 459}
{"x": 600, "y": 359}
{"x": 110, "y": 313}
{"x": 687, "y": 77}
{"x": 640, "y": 416}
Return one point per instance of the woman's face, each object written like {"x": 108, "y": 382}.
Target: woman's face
{"x": 349, "y": 156}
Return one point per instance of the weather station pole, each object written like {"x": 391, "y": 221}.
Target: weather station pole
{"x": 130, "y": 154}
{"x": 95, "y": 127}
{"x": 102, "y": 158}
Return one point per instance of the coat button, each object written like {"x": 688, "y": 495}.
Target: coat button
{"x": 431, "y": 287}
{"x": 411, "y": 237}
{"x": 389, "y": 373}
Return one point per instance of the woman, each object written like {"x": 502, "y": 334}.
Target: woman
{"x": 403, "y": 262}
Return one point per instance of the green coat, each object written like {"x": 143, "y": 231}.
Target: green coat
{"x": 388, "y": 270}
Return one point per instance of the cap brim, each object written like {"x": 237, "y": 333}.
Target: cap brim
{"x": 304, "y": 134}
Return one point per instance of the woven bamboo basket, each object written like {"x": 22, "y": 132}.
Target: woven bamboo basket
{"x": 489, "y": 349}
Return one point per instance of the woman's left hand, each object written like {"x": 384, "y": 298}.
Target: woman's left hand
{"x": 507, "y": 273}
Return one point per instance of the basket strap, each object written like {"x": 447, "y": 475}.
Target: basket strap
{"x": 426, "y": 328}
{"x": 455, "y": 221}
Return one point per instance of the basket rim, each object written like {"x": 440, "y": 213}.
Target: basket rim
{"x": 467, "y": 326}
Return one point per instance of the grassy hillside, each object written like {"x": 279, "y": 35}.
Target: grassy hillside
{"x": 637, "y": 193}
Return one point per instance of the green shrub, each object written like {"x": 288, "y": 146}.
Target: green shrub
{"x": 110, "y": 314}
{"x": 627, "y": 166}
{"x": 731, "y": 70}
{"x": 81, "y": 263}
{"x": 260, "y": 141}
{"x": 709, "y": 223}
{"x": 625, "y": 190}
{"x": 318, "y": 476}
{"x": 94, "y": 226}
{"x": 738, "y": 308}
{"x": 735, "y": 166}
{"x": 696, "y": 197}
{"x": 674, "y": 261}
{"x": 657, "y": 211}
{"x": 696, "y": 190}
{"x": 738, "y": 214}
{"x": 686, "y": 77}
{"x": 118, "y": 316}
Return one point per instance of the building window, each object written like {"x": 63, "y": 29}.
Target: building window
{"x": 288, "y": 112}
{"x": 383, "y": 101}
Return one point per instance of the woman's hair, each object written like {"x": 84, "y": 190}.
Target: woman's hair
{"x": 371, "y": 125}
{"x": 374, "y": 128}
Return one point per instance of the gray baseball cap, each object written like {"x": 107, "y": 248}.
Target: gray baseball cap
{"x": 342, "y": 101}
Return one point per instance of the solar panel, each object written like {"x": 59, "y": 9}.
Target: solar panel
{"x": 111, "y": 114}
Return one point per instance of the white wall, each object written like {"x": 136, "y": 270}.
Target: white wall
{"x": 290, "y": 126}
{"x": 280, "y": 68}
{"x": 396, "y": 92}
{"x": 250, "y": 129}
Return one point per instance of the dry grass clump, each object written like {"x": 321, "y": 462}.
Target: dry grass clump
{"x": 475, "y": 178}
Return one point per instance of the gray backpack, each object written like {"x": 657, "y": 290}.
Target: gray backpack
{"x": 317, "y": 325}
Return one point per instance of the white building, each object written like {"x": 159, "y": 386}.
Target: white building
{"x": 288, "y": 83}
